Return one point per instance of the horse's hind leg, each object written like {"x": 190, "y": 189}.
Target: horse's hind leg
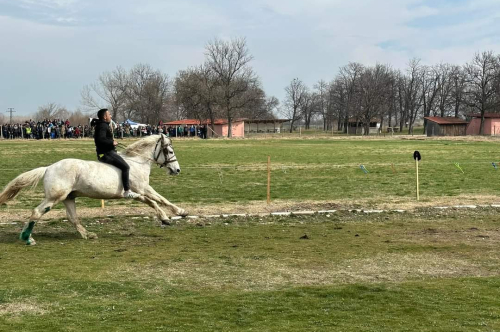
{"x": 37, "y": 213}
{"x": 70, "y": 205}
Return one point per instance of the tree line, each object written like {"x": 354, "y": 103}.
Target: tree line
{"x": 226, "y": 86}
{"x": 398, "y": 97}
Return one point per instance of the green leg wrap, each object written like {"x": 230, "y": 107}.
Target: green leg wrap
{"x": 26, "y": 232}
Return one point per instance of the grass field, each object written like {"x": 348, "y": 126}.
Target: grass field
{"x": 234, "y": 171}
{"x": 422, "y": 270}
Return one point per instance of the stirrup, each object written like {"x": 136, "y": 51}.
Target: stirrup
{"x": 130, "y": 194}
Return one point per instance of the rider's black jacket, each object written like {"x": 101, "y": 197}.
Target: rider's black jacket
{"x": 103, "y": 137}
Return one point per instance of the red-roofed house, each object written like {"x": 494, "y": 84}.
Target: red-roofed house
{"x": 448, "y": 126}
{"x": 491, "y": 124}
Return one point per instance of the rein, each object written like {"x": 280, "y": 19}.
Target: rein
{"x": 163, "y": 148}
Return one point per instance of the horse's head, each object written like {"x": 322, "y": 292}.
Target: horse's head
{"x": 164, "y": 155}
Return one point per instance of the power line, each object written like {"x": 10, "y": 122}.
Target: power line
{"x": 10, "y": 110}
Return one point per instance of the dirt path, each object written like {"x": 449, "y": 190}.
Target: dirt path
{"x": 255, "y": 207}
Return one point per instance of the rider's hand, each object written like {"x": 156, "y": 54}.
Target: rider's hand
{"x": 115, "y": 143}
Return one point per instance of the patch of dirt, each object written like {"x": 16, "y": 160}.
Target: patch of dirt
{"x": 22, "y": 308}
{"x": 258, "y": 207}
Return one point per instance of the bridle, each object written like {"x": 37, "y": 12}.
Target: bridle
{"x": 169, "y": 157}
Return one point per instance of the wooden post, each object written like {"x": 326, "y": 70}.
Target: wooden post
{"x": 416, "y": 165}
{"x": 268, "y": 180}
{"x": 102, "y": 204}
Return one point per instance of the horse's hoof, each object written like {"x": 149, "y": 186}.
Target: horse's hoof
{"x": 30, "y": 242}
{"x": 182, "y": 213}
{"x": 91, "y": 236}
{"x": 165, "y": 223}
{"x": 24, "y": 236}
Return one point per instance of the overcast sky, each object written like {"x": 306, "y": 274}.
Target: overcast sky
{"x": 50, "y": 49}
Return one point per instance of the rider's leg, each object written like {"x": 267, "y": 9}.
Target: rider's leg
{"x": 116, "y": 160}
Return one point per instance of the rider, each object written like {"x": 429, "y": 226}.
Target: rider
{"x": 106, "y": 153}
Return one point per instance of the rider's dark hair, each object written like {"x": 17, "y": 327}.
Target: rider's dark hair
{"x": 101, "y": 113}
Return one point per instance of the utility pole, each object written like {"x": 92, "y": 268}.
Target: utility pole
{"x": 10, "y": 110}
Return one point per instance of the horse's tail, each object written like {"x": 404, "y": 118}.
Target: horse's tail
{"x": 26, "y": 179}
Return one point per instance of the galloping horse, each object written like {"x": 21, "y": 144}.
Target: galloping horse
{"x": 70, "y": 178}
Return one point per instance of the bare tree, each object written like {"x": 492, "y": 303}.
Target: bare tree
{"x": 411, "y": 94}
{"x": 110, "y": 91}
{"x": 295, "y": 94}
{"x": 188, "y": 94}
{"x": 230, "y": 62}
{"x": 481, "y": 75}
{"x": 77, "y": 117}
{"x": 321, "y": 89}
{"x": 336, "y": 102}
{"x": 309, "y": 108}
{"x": 374, "y": 93}
{"x": 148, "y": 94}
{"x": 445, "y": 84}
{"x": 51, "y": 111}
{"x": 271, "y": 106}
{"x": 459, "y": 83}
{"x": 431, "y": 78}
{"x": 349, "y": 75}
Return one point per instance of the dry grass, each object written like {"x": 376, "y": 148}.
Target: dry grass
{"x": 26, "y": 307}
{"x": 247, "y": 274}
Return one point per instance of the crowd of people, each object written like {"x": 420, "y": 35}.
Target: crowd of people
{"x": 63, "y": 129}
{"x": 45, "y": 129}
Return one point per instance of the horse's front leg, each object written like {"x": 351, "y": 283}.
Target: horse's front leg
{"x": 153, "y": 195}
{"x": 159, "y": 212}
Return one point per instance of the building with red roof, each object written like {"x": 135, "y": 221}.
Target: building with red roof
{"x": 445, "y": 126}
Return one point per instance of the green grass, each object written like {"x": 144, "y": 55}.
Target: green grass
{"x": 387, "y": 272}
{"x": 219, "y": 171}
{"x": 426, "y": 270}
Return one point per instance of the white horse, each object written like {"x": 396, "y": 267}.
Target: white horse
{"x": 70, "y": 178}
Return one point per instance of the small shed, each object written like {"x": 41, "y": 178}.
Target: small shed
{"x": 491, "y": 124}
{"x": 445, "y": 126}
{"x": 264, "y": 125}
{"x": 358, "y": 127}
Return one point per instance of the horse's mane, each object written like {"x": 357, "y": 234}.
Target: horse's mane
{"x": 140, "y": 145}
